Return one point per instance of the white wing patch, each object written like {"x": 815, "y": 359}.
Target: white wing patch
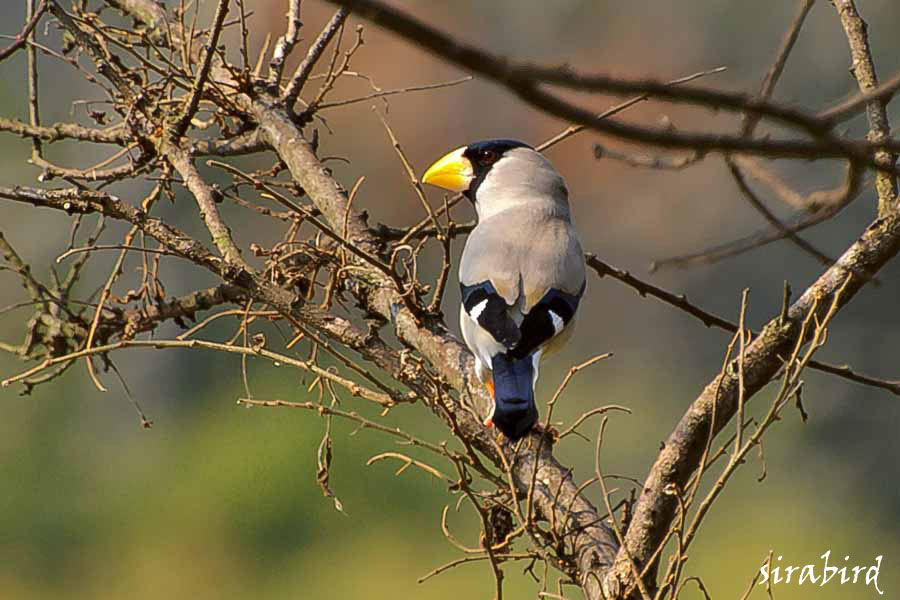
{"x": 478, "y": 308}
{"x": 558, "y": 323}
{"x": 536, "y": 363}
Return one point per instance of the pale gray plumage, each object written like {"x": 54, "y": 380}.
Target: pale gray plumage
{"x": 522, "y": 270}
{"x": 524, "y": 243}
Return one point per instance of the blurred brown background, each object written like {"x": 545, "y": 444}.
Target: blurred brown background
{"x": 216, "y": 501}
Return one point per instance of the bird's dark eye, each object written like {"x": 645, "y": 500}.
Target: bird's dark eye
{"x": 488, "y": 156}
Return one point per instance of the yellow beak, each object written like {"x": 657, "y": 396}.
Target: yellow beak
{"x": 452, "y": 172}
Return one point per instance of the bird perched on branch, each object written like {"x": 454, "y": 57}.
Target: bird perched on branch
{"x": 522, "y": 269}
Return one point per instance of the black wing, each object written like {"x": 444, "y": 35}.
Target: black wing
{"x": 488, "y": 308}
{"x": 545, "y": 320}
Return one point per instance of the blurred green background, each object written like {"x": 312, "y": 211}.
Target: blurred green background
{"x": 219, "y": 501}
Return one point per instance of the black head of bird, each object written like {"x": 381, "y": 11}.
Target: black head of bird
{"x": 496, "y": 171}
{"x": 521, "y": 272}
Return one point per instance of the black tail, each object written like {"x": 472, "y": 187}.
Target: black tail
{"x": 515, "y": 411}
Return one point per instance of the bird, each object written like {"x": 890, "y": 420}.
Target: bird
{"x": 522, "y": 271}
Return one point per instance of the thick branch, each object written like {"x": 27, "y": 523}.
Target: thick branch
{"x": 147, "y": 318}
{"x": 761, "y": 361}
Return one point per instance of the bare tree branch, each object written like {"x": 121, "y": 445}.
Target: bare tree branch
{"x": 304, "y": 69}
{"x": 356, "y": 295}
{"x": 863, "y": 70}
{"x": 525, "y": 82}
{"x": 22, "y": 36}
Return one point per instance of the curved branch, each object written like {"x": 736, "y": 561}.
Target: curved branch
{"x": 526, "y": 82}
{"x": 519, "y": 75}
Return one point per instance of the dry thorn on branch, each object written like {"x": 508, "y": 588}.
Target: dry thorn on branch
{"x": 859, "y": 103}
{"x": 777, "y": 68}
{"x": 96, "y": 247}
{"x": 445, "y": 529}
{"x": 60, "y": 131}
{"x": 205, "y": 197}
{"x": 780, "y": 227}
{"x": 574, "y": 371}
{"x": 469, "y": 559}
{"x": 411, "y": 174}
{"x": 841, "y": 196}
{"x": 648, "y": 162}
{"x": 812, "y": 203}
{"x": 34, "y": 107}
{"x": 700, "y": 586}
{"x": 573, "y": 428}
{"x": 551, "y": 404}
{"x": 248, "y": 315}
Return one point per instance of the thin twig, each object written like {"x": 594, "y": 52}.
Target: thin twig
{"x": 386, "y": 93}
{"x": 863, "y": 69}
{"x": 614, "y": 110}
{"x": 285, "y": 44}
{"x": 34, "y": 15}
{"x": 304, "y": 69}
{"x": 202, "y": 75}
